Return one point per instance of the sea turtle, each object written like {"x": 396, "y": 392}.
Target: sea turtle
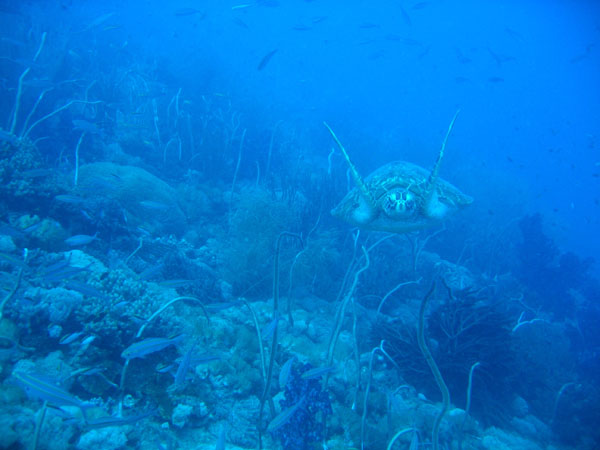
{"x": 399, "y": 197}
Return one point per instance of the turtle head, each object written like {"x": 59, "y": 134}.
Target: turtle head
{"x": 399, "y": 204}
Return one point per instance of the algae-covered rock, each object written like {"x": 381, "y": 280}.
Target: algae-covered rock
{"x": 497, "y": 439}
{"x": 110, "y": 438}
{"x": 146, "y": 200}
{"x": 45, "y": 233}
{"x": 6, "y": 244}
{"x": 181, "y": 414}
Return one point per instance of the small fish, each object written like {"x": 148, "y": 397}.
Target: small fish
{"x": 149, "y": 345}
{"x": 183, "y": 369}
{"x": 8, "y": 230}
{"x": 86, "y": 343}
{"x": 240, "y": 6}
{"x": 98, "y": 21}
{"x": 68, "y": 338}
{"x": 284, "y": 373}
{"x": 205, "y": 358}
{"x": 284, "y": 416}
{"x": 30, "y": 229}
{"x": 11, "y": 259}
{"x": 67, "y": 198}
{"x": 137, "y": 320}
{"x": 164, "y": 368}
{"x": 63, "y": 274}
{"x": 500, "y": 58}
{"x": 265, "y": 60}
{"x": 88, "y": 371}
{"x": 221, "y": 306}
{"x": 151, "y": 272}
{"x": 120, "y": 304}
{"x": 269, "y": 329}
{"x": 112, "y": 421}
{"x": 85, "y": 289}
{"x": 316, "y": 372}
{"x": 38, "y": 387}
{"x": 57, "y": 266}
{"x": 405, "y": 16}
{"x": 80, "y": 239}
{"x": 143, "y": 232}
{"x": 87, "y": 215}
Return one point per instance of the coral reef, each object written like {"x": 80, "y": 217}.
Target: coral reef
{"x": 306, "y": 426}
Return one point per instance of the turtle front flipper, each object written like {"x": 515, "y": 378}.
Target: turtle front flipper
{"x": 368, "y": 205}
{"x": 433, "y": 207}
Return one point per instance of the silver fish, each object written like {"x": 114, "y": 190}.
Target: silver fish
{"x": 85, "y": 289}
{"x": 284, "y": 416}
{"x": 68, "y": 338}
{"x": 80, "y": 239}
{"x": 149, "y": 345}
{"x": 316, "y": 372}
{"x": 183, "y": 369}
{"x": 112, "y": 421}
{"x": 38, "y": 387}
{"x": 284, "y": 373}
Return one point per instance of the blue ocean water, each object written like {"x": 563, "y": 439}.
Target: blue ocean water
{"x": 171, "y": 275}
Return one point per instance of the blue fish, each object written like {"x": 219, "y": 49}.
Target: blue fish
{"x": 37, "y": 387}
{"x": 80, "y": 239}
{"x": 149, "y": 345}
{"x": 68, "y": 338}
{"x": 284, "y": 416}
{"x": 112, "y": 421}
{"x": 183, "y": 369}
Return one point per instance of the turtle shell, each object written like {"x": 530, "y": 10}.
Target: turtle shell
{"x": 400, "y": 200}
